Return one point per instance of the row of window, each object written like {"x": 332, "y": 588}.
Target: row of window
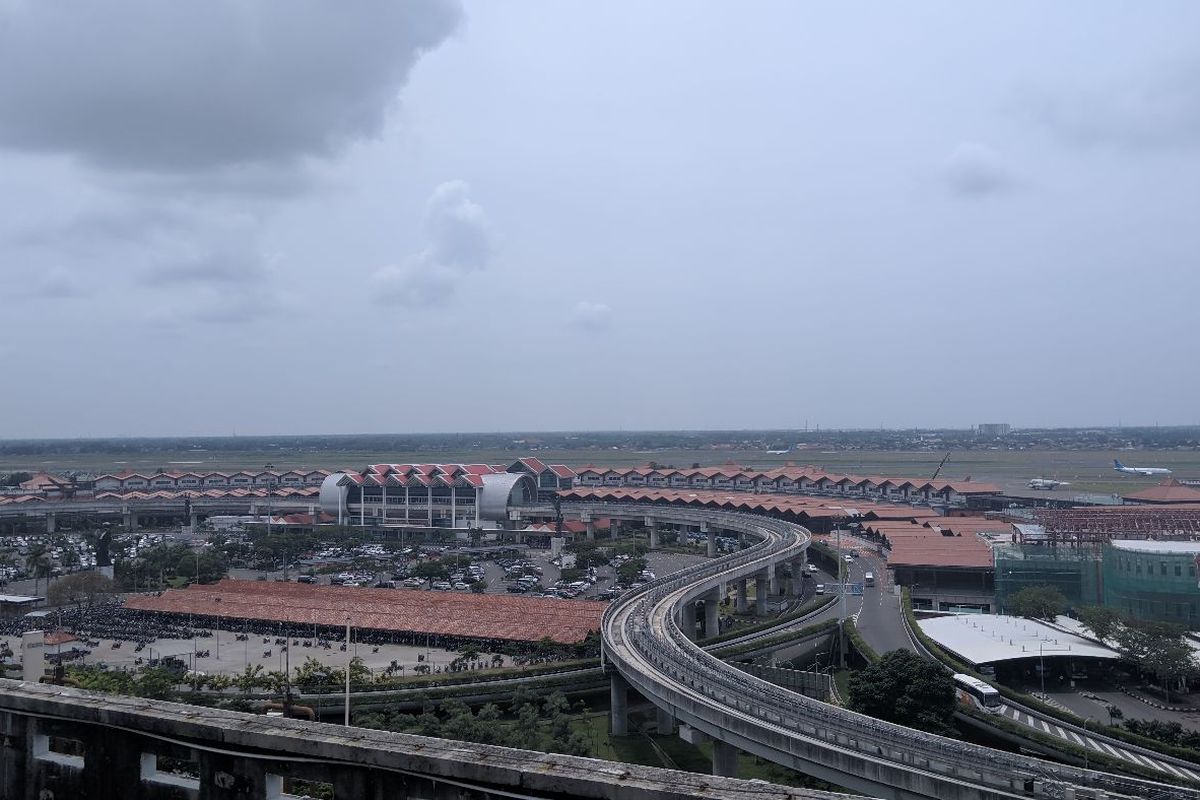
{"x": 1138, "y": 566}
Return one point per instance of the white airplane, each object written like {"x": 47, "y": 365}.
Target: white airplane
{"x": 1046, "y": 483}
{"x": 1119, "y": 467}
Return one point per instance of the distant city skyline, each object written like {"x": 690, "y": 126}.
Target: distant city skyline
{"x": 550, "y": 217}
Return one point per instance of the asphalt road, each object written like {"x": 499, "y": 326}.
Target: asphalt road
{"x": 878, "y": 615}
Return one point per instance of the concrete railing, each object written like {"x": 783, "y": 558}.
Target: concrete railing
{"x": 62, "y": 744}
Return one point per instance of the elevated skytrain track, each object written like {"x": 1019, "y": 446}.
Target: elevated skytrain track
{"x": 645, "y": 648}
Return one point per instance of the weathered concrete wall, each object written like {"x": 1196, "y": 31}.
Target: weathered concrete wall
{"x": 68, "y": 744}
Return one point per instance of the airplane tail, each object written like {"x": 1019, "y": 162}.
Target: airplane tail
{"x": 1117, "y": 464}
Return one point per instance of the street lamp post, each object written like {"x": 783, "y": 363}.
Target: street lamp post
{"x": 349, "y": 661}
{"x": 1042, "y": 668}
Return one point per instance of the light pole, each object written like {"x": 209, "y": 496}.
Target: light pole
{"x": 842, "y": 600}
{"x": 1042, "y": 669}
{"x": 349, "y": 660}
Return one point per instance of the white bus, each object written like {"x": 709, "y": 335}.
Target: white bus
{"x": 973, "y": 691}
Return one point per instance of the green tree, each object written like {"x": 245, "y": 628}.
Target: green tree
{"x": 1102, "y": 622}
{"x": 15, "y": 478}
{"x": 904, "y": 688}
{"x": 1038, "y": 602}
{"x": 1158, "y": 648}
{"x": 250, "y": 678}
{"x": 81, "y": 589}
{"x": 433, "y": 569}
{"x": 37, "y": 562}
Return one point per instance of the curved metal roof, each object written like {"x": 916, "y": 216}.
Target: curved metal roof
{"x": 501, "y": 490}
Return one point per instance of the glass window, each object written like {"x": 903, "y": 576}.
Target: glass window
{"x": 1162, "y": 568}
{"x": 1178, "y": 570}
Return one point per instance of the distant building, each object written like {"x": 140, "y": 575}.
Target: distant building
{"x": 994, "y": 429}
{"x": 1169, "y": 492}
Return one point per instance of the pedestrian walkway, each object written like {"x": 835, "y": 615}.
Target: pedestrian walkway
{"x": 1104, "y": 747}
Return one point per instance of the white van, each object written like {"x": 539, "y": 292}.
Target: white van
{"x": 869, "y": 579}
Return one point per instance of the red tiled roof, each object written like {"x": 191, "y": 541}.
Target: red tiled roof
{"x": 441, "y": 613}
{"x": 941, "y": 551}
{"x": 1169, "y": 491}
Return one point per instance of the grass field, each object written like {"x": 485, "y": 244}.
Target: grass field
{"x": 1086, "y": 470}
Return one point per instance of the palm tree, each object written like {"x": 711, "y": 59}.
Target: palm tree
{"x": 37, "y": 561}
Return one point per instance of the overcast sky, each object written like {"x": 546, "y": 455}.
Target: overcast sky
{"x": 280, "y": 217}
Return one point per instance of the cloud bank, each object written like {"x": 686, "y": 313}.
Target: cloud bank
{"x": 147, "y": 86}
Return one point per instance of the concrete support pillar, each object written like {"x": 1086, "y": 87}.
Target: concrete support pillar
{"x": 712, "y": 614}
{"x": 687, "y": 622}
{"x": 651, "y": 525}
{"x": 50, "y": 522}
{"x": 590, "y": 527}
{"x": 131, "y": 521}
{"x": 614, "y": 528}
{"x": 14, "y": 729}
{"x": 712, "y": 543}
{"x": 799, "y": 570}
{"x": 225, "y": 777}
{"x": 618, "y": 691}
{"x": 112, "y": 763}
{"x": 725, "y": 759}
{"x": 666, "y": 722}
{"x": 743, "y": 597}
{"x": 760, "y": 594}
{"x": 773, "y": 577}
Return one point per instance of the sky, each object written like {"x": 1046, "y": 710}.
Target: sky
{"x": 224, "y": 216}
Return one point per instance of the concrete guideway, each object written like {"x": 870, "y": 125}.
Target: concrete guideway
{"x": 646, "y": 650}
{"x": 1071, "y": 734}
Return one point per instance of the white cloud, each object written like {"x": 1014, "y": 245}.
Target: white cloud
{"x": 591, "y": 316}
{"x": 975, "y": 170}
{"x": 458, "y": 243}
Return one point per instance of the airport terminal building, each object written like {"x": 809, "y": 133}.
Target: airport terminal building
{"x": 440, "y": 495}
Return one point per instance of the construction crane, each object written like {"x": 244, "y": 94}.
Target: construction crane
{"x": 938, "y": 471}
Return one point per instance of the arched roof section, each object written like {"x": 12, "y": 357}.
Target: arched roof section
{"x": 502, "y": 490}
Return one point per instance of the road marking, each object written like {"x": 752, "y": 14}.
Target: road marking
{"x": 1045, "y": 727}
{"x": 1167, "y": 767}
{"x": 1092, "y": 743}
{"x": 1061, "y": 733}
{"x": 1076, "y": 736}
{"x": 1189, "y": 773}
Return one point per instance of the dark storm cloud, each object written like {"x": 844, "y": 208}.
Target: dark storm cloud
{"x": 143, "y": 85}
{"x": 1152, "y": 110}
{"x": 458, "y": 243}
